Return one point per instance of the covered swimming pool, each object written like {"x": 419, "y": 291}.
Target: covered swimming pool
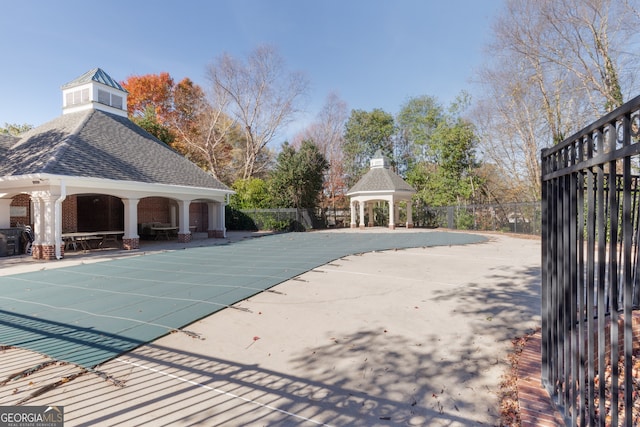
{"x": 91, "y": 313}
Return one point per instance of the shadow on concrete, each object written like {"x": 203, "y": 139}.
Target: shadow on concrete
{"x": 173, "y": 387}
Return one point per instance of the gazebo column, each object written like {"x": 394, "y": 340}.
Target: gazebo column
{"x": 354, "y": 215}
{"x": 222, "y": 220}
{"x": 38, "y": 223}
{"x": 58, "y": 245}
{"x": 392, "y": 219}
{"x": 215, "y": 212}
{"x": 371, "y": 222}
{"x": 47, "y": 227}
{"x": 396, "y": 211}
{"x": 130, "y": 239}
{"x": 5, "y": 213}
{"x": 361, "y": 222}
{"x": 409, "y": 214}
{"x": 38, "y": 226}
{"x": 184, "y": 234}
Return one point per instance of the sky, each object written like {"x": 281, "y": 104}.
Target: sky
{"x": 371, "y": 53}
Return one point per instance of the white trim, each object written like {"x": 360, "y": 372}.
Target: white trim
{"x": 11, "y": 185}
{"x": 57, "y": 220}
{"x": 364, "y": 193}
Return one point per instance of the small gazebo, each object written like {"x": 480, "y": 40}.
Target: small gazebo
{"x": 379, "y": 184}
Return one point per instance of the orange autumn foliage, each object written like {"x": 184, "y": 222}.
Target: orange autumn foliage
{"x": 180, "y": 115}
{"x": 150, "y": 91}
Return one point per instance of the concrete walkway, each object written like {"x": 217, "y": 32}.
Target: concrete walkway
{"x": 407, "y": 337}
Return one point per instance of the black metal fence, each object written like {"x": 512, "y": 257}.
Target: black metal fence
{"x": 281, "y": 219}
{"x": 590, "y": 271}
{"x": 524, "y": 217}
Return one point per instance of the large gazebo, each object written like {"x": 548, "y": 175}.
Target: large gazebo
{"x": 379, "y": 184}
{"x": 94, "y": 169}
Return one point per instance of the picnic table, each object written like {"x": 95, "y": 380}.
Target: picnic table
{"x": 84, "y": 238}
{"x": 163, "y": 231}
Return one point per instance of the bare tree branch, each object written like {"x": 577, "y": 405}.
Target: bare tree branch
{"x": 263, "y": 98}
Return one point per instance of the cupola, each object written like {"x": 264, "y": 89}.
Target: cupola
{"x": 94, "y": 89}
{"x": 379, "y": 161}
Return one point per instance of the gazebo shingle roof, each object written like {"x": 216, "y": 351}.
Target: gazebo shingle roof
{"x": 380, "y": 179}
{"x": 97, "y": 144}
{"x": 6, "y": 141}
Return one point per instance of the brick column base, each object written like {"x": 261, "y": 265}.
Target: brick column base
{"x": 392, "y": 227}
{"x": 184, "y": 237}
{"x": 129, "y": 244}
{"x": 410, "y": 225}
{"x": 354, "y": 225}
{"x": 217, "y": 234}
{"x": 46, "y": 252}
{"x": 36, "y": 251}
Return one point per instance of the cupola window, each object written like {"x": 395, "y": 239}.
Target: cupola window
{"x": 116, "y": 101}
{"x": 110, "y": 99}
{"x": 77, "y": 97}
{"x": 104, "y": 97}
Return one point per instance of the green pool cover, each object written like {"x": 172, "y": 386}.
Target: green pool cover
{"x": 90, "y": 313}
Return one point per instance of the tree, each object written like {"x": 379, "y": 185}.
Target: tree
{"x": 444, "y": 173}
{"x": 366, "y": 133}
{"x": 263, "y": 97}
{"x": 251, "y": 193}
{"x": 15, "y": 129}
{"x": 580, "y": 36}
{"x": 182, "y": 116}
{"x": 150, "y": 103}
{"x": 454, "y": 148}
{"x": 497, "y": 188}
{"x": 296, "y": 181}
{"x": 513, "y": 130}
{"x": 149, "y": 122}
{"x": 417, "y": 121}
{"x": 327, "y": 132}
{"x": 556, "y": 66}
{"x": 153, "y": 91}
{"x": 204, "y": 132}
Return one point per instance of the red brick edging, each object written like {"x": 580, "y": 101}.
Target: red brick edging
{"x": 536, "y": 407}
